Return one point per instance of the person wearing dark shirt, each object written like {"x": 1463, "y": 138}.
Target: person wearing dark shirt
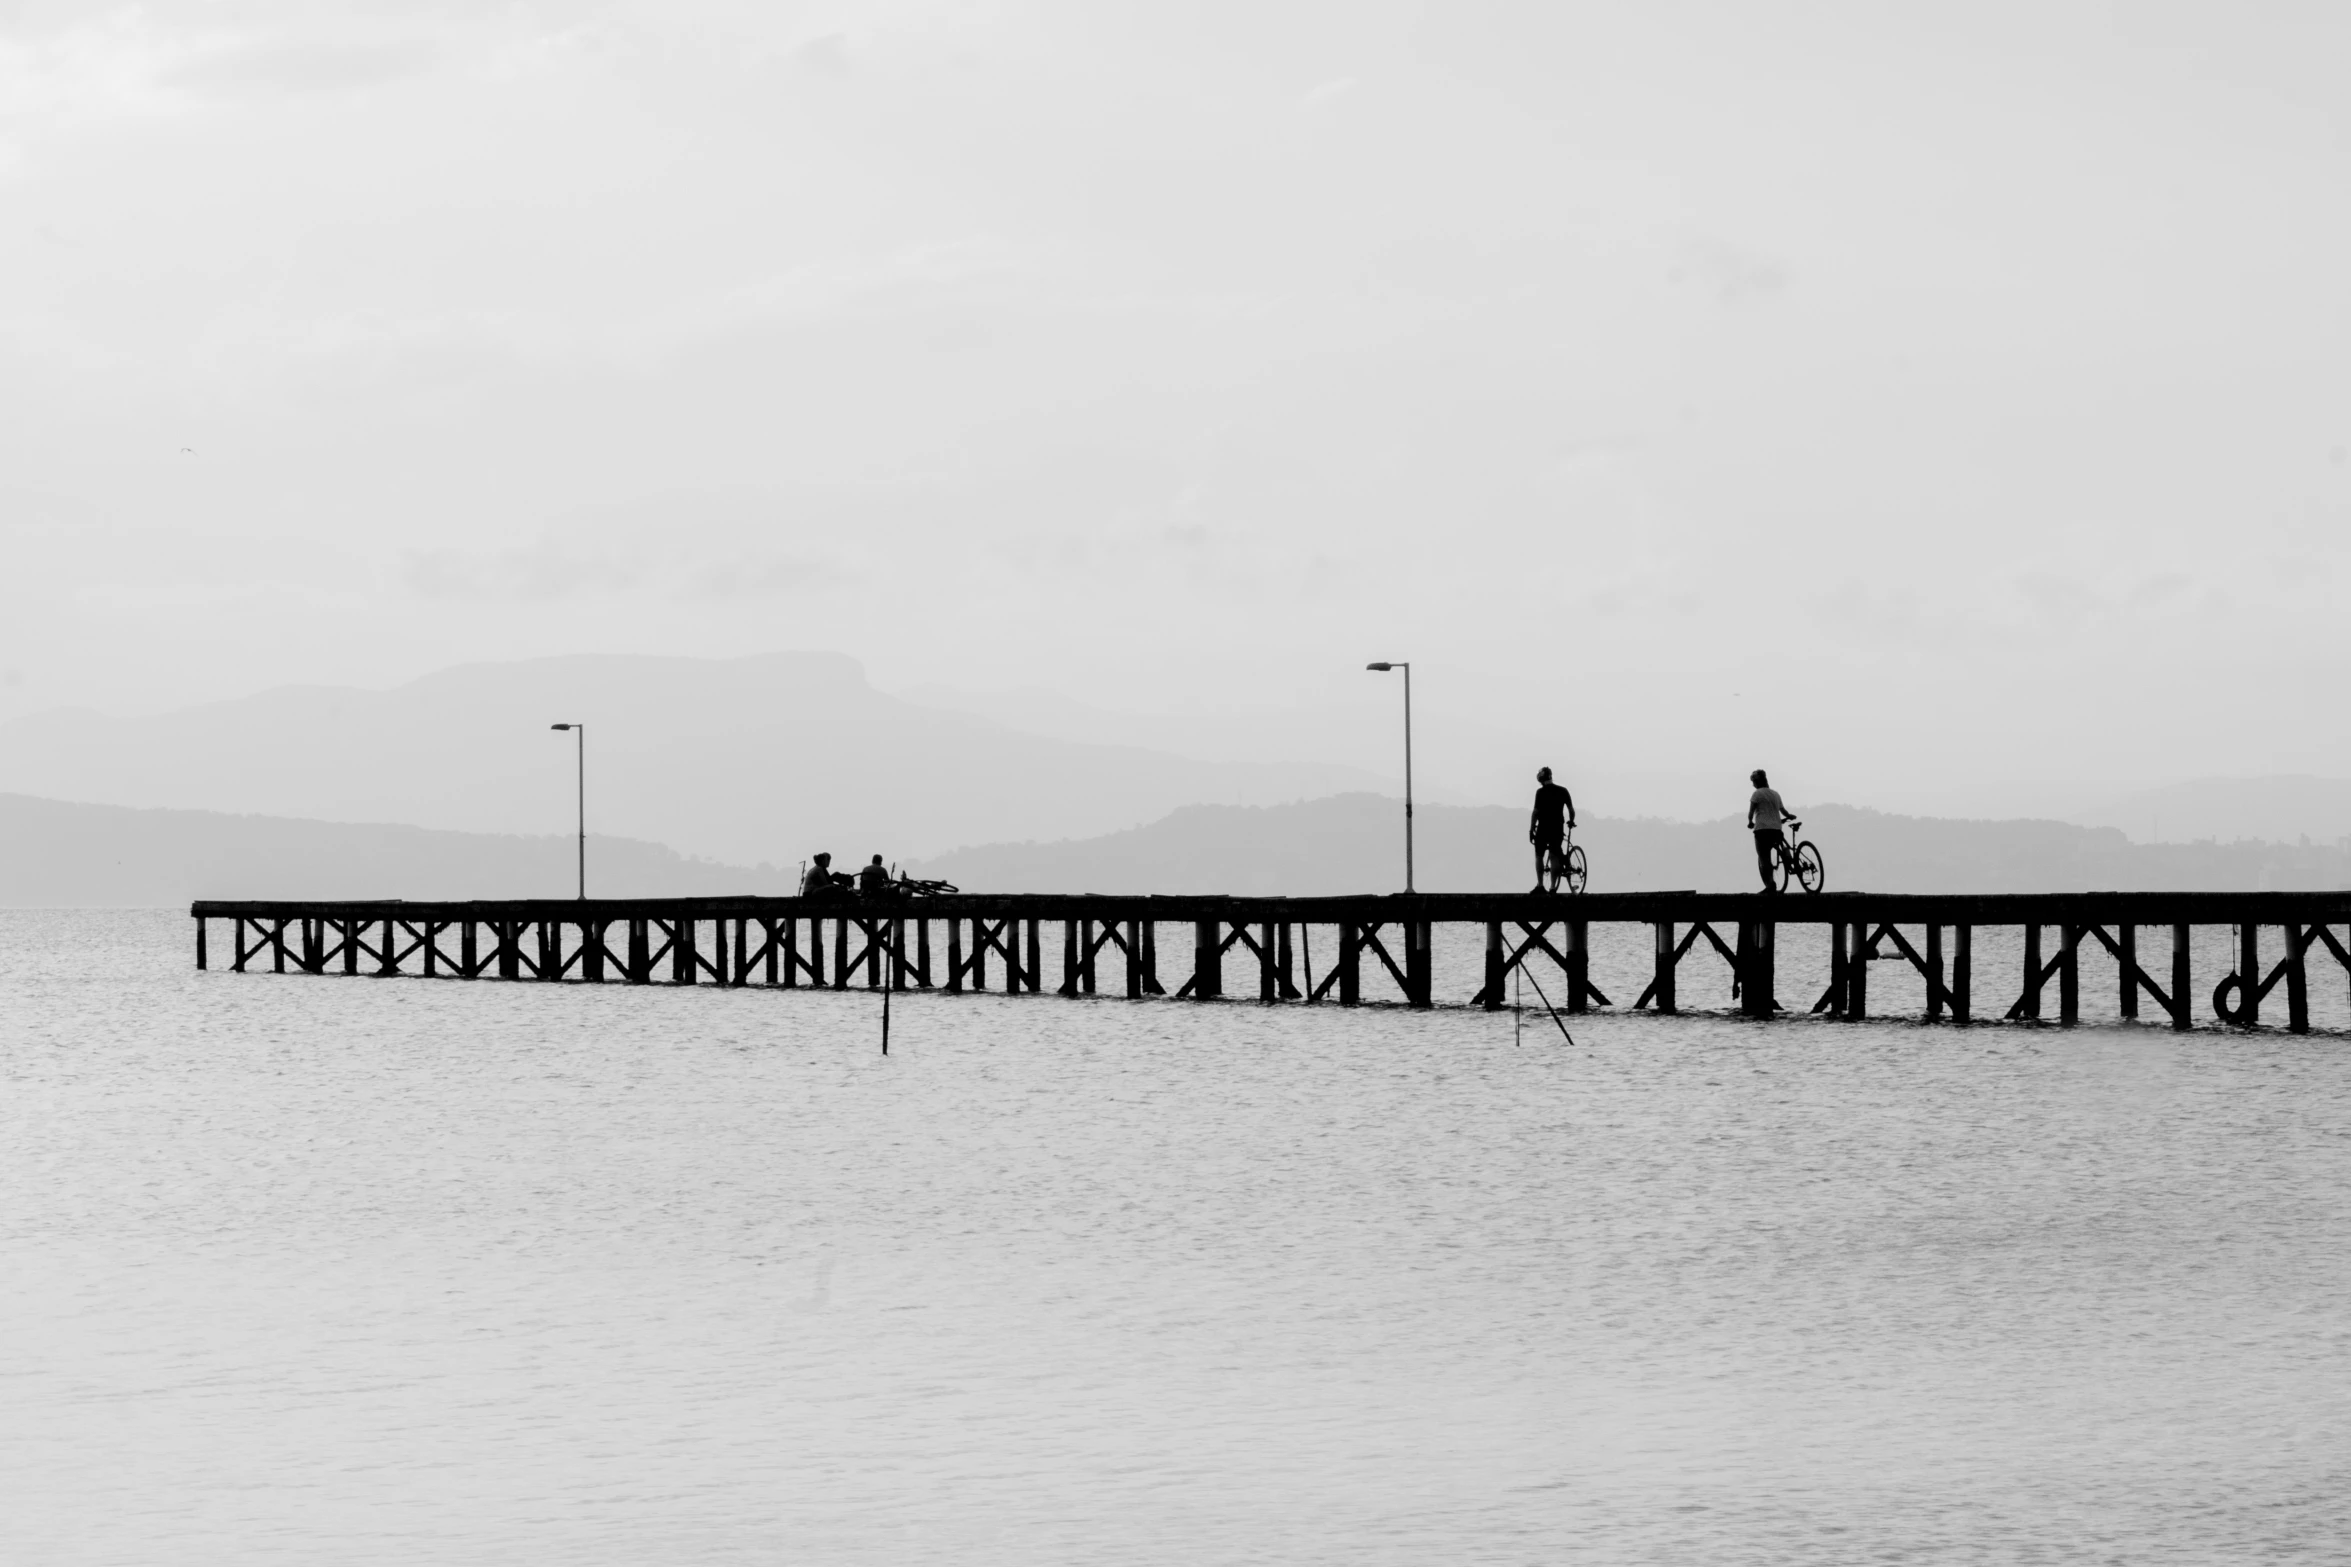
{"x": 1548, "y": 827}
{"x": 873, "y": 880}
{"x": 820, "y": 879}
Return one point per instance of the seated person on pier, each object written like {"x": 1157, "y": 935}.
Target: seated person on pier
{"x": 873, "y": 881}
{"x": 1548, "y": 827}
{"x": 822, "y": 881}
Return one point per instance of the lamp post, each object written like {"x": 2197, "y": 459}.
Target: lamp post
{"x": 580, "y": 733}
{"x": 1407, "y": 668}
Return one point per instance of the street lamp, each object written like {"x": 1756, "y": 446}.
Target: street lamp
{"x": 1383, "y": 668}
{"x": 581, "y": 732}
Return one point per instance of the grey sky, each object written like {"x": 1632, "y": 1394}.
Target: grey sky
{"x": 1949, "y": 412}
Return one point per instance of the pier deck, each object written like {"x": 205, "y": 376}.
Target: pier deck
{"x": 959, "y": 942}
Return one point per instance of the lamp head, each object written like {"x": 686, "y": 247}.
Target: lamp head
{"x": 1383, "y": 668}
{"x": 559, "y": 726}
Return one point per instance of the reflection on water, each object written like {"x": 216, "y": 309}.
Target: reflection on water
{"x": 309, "y": 1270}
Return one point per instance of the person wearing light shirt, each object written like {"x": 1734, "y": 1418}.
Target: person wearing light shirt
{"x": 1767, "y": 813}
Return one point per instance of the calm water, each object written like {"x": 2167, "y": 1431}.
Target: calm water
{"x": 328, "y": 1271}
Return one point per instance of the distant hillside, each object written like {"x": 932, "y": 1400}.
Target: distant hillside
{"x": 740, "y": 760}
{"x": 2285, "y": 808}
{"x": 1355, "y": 843}
{"x": 59, "y": 855}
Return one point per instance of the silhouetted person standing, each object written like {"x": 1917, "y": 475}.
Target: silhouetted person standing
{"x": 1547, "y": 828}
{"x": 1766, "y": 815}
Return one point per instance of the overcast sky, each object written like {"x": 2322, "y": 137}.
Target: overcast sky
{"x": 1949, "y": 413}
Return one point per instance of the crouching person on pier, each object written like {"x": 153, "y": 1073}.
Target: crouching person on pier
{"x": 822, "y": 881}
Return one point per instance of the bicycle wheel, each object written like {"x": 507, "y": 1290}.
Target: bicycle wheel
{"x": 1809, "y": 869}
{"x": 1577, "y": 871}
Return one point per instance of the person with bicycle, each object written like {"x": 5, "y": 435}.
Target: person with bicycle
{"x": 1767, "y": 814}
{"x": 1548, "y": 827}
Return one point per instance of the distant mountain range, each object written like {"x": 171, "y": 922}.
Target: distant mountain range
{"x": 2285, "y": 808}
{"x": 740, "y": 760}
{"x": 59, "y": 855}
{"x": 1355, "y": 843}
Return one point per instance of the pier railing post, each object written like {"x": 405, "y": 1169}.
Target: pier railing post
{"x": 2249, "y": 972}
{"x": 2182, "y": 1014}
{"x": 2126, "y": 963}
{"x": 1493, "y": 991}
{"x": 2032, "y": 973}
{"x": 1962, "y": 974}
{"x": 1207, "y": 962}
{"x": 1665, "y": 967}
{"x": 2069, "y": 975}
{"x": 1936, "y": 995}
{"x": 1755, "y": 985}
{"x": 1576, "y": 936}
{"x": 1857, "y": 975}
{"x": 1840, "y": 971}
{"x": 2297, "y": 982}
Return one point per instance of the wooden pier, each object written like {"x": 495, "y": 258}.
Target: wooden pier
{"x": 1371, "y": 949}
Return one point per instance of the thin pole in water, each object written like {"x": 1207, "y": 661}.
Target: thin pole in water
{"x": 889, "y": 970}
{"x": 1548, "y": 1007}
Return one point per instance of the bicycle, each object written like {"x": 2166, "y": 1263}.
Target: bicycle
{"x": 1798, "y": 861}
{"x": 1560, "y": 867}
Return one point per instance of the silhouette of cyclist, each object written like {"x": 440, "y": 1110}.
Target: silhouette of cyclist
{"x": 1547, "y": 828}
